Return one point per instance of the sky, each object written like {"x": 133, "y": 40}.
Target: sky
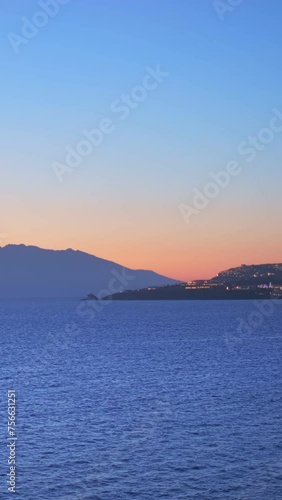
{"x": 197, "y": 81}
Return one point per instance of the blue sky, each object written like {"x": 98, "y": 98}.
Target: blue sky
{"x": 224, "y": 79}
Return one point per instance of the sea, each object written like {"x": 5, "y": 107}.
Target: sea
{"x": 141, "y": 400}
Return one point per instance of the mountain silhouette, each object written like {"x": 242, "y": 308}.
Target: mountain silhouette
{"x": 32, "y": 272}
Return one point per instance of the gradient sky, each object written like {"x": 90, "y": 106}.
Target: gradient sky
{"x": 122, "y": 203}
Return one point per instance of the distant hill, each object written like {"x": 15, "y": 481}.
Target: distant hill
{"x": 255, "y": 274}
{"x": 32, "y": 272}
{"x": 238, "y": 283}
{"x": 181, "y": 292}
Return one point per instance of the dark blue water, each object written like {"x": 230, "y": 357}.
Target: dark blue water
{"x": 160, "y": 400}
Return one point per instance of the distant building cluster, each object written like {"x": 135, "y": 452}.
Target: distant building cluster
{"x": 257, "y": 278}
